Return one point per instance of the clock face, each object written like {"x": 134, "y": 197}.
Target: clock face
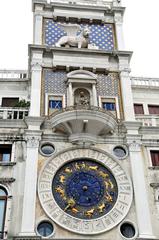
{"x": 84, "y": 191}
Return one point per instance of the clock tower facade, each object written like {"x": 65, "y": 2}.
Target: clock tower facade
{"x": 84, "y": 174}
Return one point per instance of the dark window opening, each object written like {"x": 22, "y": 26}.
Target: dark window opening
{"x": 154, "y": 157}
{"x": 138, "y": 109}
{"x": 5, "y": 152}
{"x": 153, "y": 109}
{"x": 9, "y": 102}
{"x": 127, "y": 230}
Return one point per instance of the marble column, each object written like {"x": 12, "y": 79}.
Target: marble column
{"x": 94, "y": 93}
{"x": 30, "y": 182}
{"x": 36, "y": 76}
{"x": 119, "y": 31}
{"x": 140, "y": 191}
{"x": 38, "y": 23}
{"x": 70, "y": 92}
{"x": 127, "y": 98}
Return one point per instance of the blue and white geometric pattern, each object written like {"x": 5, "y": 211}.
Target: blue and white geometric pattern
{"x": 55, "y": 81}
{"x": 101, "y": 35}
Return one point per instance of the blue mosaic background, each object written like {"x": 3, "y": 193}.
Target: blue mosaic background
{"x": 102, "y": 35}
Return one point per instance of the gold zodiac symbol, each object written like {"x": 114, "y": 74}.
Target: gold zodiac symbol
{"x": 77, "y": 166}
{"x": 62, "y": 179}
{"x": 74, "y": 210}
{"x": 60, "y": 190}
{"x": 83, "y": 165}
{"x": 111, "y": 184}
{"x": 102, "y": 174}
{"x": 94, "y": 168}
{"x": 89, "y": 213}
{"x": 101, "y": 207}
{"x": 68, "y": 170}
{"x": 108, "y": 197}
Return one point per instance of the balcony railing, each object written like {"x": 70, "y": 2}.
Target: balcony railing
{"x": 145, "y": 82}
{"x": 80, "y": 107}
{"x": 3, "y": 235}
{"x": 13, "y": 74}
{"x": 148, "y": 120}
{"x": 13, "y": 113}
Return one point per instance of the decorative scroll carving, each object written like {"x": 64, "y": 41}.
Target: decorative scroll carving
{"x": 72, "y": 39}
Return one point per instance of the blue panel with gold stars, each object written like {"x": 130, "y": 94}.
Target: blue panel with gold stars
{"x": 85, "y": 189}
{"x": 101, "y": 35}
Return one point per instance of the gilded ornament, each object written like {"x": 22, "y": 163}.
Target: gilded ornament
{"x": 62, "y": 179}
{"x": 101, "y": 207}
{"x": 90, "y": 212}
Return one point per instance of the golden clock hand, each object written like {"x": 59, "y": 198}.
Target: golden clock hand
{"x": 71, "y": 203}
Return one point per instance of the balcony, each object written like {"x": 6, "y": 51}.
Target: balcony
{"x": 87, "y": 122}
{"x": 13, "y": 113}
{"x": 148, "y": 120}
{"x": 13, "y": 74}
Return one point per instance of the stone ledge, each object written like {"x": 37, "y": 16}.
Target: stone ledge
{"x": 27, "y": 238}
{"x": 154, "y": 168}
{"x": 7, "y": 164}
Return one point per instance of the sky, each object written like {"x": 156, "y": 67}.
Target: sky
{"x": 141, "y": 35}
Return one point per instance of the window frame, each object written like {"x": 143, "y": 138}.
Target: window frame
{"x": 106, "y": 99}
{"x": 5, "y": 210}
{"x": 154, "y": 150}
{"x": 152, "y": 105}
{"x": 149, "y": 149}
{"x": 50, "y": 95}
{"x": 11, "y": 154}
{"x": 140, "y": 104}
{"x": 45, "y": 220}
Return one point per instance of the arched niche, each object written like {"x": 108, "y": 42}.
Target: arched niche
{"x": 85, "y": 80}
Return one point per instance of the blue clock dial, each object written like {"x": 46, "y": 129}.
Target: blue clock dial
{"x": 85, "y": 189}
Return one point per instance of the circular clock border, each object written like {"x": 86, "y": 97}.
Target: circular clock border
{"x": 73, "y": 224}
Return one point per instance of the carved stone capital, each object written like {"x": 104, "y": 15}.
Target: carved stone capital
{"x": 36, "y": 66}
{"x": 135, "y": 146}
{"x": 118, "y": 19}
{"x": 33, "y": 141}
{"x": 124, "y": 71}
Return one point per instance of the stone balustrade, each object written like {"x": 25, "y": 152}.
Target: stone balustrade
{"x": 13, "y": 113}
{"x": 148, "y": 120}
{"x": 107, "y": 3}
{"x": 144, "y": 82}
{"x": 13, "y": 74}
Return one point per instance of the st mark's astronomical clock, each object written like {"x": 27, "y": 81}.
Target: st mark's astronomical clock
{"x": 85, "y": 191}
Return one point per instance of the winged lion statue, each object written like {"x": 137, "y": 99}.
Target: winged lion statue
{"x": 72, "y": 39}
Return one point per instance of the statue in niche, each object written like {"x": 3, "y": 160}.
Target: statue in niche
{"x": 72, "y": 39}
{"x": 82, "y": 97}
